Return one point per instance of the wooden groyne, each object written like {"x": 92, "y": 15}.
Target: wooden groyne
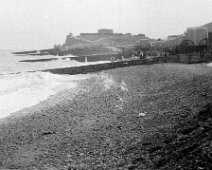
{"x": 84, "y": 58}
{"x": 95, "y": 68}
{"x": 184, "y": 59}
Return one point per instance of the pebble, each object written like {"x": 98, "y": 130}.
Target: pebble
{"x": 142, "y": 114}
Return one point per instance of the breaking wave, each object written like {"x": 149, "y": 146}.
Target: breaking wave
{"x": 18, "y": 91}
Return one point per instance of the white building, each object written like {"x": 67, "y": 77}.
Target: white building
{"x": 196, "y": 34}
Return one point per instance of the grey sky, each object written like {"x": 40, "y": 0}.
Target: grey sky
{"x": 35, "y": 24}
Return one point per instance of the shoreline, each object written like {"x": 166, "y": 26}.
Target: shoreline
{"x": 48, "y": 101}
{"x": 74, "y": 132}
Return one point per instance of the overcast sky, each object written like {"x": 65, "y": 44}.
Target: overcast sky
{"x": 36, "y": 24}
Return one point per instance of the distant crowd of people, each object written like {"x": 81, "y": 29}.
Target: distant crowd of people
{"x": 139, "y": 54}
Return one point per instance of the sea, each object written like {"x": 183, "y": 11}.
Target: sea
{"x": 21, "y": 88}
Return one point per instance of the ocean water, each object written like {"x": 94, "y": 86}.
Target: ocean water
{"x": 20, "y": 88}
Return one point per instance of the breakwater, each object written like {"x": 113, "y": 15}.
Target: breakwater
{"x": 99, "y": 67}
{"x": 99, "y": 57}
{"x": 185, "y": 59}
{"x": 84, "y": 58}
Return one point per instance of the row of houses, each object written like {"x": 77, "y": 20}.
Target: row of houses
{"x": 196, "y": 36}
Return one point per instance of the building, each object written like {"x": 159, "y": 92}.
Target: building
{"x": 196, "y": 34}
{"x": 171, "y": 37}
{"x": 144, "y": 42}
{"x": 71, "y": 40}
{"x": 141, "y": 35}
{"x": 105, "y": 31}
{"x": 210, "y": 37}
{"x": 104, "y": 37}
{"x": 173, "y": 40}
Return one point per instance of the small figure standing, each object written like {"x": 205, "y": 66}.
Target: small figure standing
{"x": 141, "y": 54}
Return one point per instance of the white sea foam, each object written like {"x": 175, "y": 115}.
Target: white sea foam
{"x": 27, "y": 89}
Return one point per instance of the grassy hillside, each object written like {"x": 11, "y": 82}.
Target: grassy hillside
{"x": 80, "y": 50}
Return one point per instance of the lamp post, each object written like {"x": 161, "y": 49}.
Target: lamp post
{"x": 123, "y": 51}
